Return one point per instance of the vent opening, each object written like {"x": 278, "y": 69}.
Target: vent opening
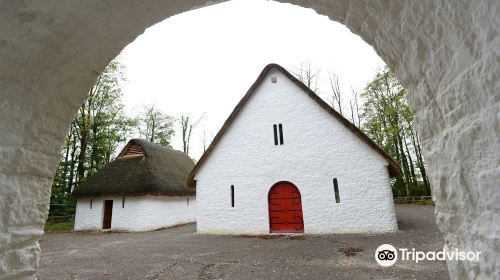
{"x": 133, "y": 151}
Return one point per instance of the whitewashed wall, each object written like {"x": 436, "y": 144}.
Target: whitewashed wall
{"x": 316, "y": 149}
{"x": 140, "y": 212}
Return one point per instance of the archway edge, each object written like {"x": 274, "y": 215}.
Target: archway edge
{"x": 445, "y": 54}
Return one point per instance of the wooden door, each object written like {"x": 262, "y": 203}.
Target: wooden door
{"x": 285, "y": 209}
{"x": 108, "y": 213}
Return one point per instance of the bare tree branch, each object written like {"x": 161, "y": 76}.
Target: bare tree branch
{"x": 334, "y": 84}
{"x": 356, "y": 103}
{"x": 307, "y": 75}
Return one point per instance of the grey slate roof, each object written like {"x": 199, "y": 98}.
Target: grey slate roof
{"x": 160, "y": 171}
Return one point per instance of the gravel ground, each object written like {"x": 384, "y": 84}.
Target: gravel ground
{"x": 178, "y": 253}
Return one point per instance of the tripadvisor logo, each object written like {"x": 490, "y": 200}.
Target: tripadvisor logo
{"x": 387, "y": 255}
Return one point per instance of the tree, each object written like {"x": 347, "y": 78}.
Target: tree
{"x": 187, "y": 126}
{"x": 204, "y": 140}
{"x": 356, "y": 106}
{"x": 334, "y": 85}
{"x": 98, "y": 128}
{"x": 101, "y": 123}
{"x": 156, "y": 126}
{"x": 414, "y": 139}
{"x": 383, "y": 114}
{"x": 388, "y": 120}
{"x": 308, "y": 76}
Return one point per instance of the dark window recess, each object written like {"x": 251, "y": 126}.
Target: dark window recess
{"x": 281, "y": 134}
{"x": 123, "y": 202}
{"x": 187, "y": 201}
{"x": 90, "y": 203}
{"x": 336, "y": 188}
{"x": 232, "y": 195}
{"x": 275, "y": 134}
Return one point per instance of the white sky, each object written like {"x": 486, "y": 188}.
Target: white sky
{"x": 204, "y": 61}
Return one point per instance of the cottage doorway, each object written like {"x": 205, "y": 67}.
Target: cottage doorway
{"x": 108, "y": 213}
{"x": 285, "y": 209}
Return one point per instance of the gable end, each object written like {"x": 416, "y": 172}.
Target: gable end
{"x": 394, "y": 169}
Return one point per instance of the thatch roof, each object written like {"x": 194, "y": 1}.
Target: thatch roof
{"x": 394, "y": 169}
{"x": 141, "y": 168}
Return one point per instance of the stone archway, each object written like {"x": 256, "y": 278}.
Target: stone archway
{"x": 444, "y": 52}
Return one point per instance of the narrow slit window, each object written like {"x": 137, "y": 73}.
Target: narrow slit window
{"x": 275, "y": 134}
{"x": 232, "y": 195}
{"x": 90, "y": 203}
{"x": 187, "y": 201}
{"x": 336, "y": 189}
{"x": 281, "y": 134}
{"x": 123, "y": 202}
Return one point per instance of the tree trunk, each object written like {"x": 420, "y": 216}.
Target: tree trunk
{"x": 84, "y": 138}
{"x": 185, "y": 137}
{"x": 64, "y": 176}
{"x": 420, "y": 161}
{"x": 72, "y": 165}
{"x": 93, "y": 152}
{"x": 405, "y": 165}
{"x": 412, "y": 167}
{"x": 421, "y": 165}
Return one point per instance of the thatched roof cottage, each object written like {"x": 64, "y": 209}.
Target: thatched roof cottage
{"x": 144, "y": 188}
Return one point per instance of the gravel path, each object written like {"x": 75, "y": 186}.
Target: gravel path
{"x": 178, "y": 253}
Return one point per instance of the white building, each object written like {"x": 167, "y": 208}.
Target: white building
{"x": 285, "y": 161}
{"x": 143, "y": 189}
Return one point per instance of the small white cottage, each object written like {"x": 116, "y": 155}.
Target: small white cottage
{"x": 286, "y": 162}
{"x": 143, "y": 189}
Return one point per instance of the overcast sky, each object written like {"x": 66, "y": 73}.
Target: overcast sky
{"x": 204, "y": 61}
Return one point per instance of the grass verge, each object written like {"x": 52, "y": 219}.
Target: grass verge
{"x": 59, "y": 227}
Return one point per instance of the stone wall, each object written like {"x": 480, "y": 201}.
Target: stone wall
{"x": 445, "y": 52}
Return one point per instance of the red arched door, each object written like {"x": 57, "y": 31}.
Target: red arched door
{"x": 285, "y": 209}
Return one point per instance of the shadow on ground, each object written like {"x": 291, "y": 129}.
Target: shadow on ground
{"x": 177, "y": 253}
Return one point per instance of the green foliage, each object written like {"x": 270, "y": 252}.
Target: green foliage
{"x": 425, "y": 202}
{"x": 99, "y": 128}
{"x": 156, "y": 126}
{"x": 59, "y": 227}
{"x": 388, "y": 120}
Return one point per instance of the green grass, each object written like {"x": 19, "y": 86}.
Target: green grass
{"x": 424, "y": 202}
{"x": 59, "y": 227}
